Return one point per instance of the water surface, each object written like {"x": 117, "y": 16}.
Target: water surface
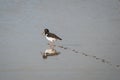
{"x": 90, "y": 27}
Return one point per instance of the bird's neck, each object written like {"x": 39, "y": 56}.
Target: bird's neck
{"x": 46, "y": 33}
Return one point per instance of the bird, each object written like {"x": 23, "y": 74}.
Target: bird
{"x": 51, "y": 36}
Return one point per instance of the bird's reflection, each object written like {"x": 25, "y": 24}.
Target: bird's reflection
{"x": 49, "y": 52}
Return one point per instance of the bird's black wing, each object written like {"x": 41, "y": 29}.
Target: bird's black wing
{"x": 54, "y": 36}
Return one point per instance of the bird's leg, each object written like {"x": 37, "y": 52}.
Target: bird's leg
{"x": 50, "y": 43}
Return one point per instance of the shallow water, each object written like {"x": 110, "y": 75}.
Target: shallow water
{"x": 89, "y": 49}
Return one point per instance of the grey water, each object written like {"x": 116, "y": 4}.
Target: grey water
{"x": 88, "y": 26}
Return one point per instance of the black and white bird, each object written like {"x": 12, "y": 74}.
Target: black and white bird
{"x": 50, "y": 36}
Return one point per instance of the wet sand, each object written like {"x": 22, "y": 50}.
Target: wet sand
{"x": 89, "y": 50}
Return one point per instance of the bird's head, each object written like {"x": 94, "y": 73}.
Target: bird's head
{"x": 46, "y": 31}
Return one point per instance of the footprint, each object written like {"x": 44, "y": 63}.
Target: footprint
{"x": 117, "y": 65}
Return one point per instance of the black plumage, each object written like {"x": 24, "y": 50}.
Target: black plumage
{"x": 48, "y": 34}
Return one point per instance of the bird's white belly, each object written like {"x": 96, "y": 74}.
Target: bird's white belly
{"x": 50, "y": 39}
